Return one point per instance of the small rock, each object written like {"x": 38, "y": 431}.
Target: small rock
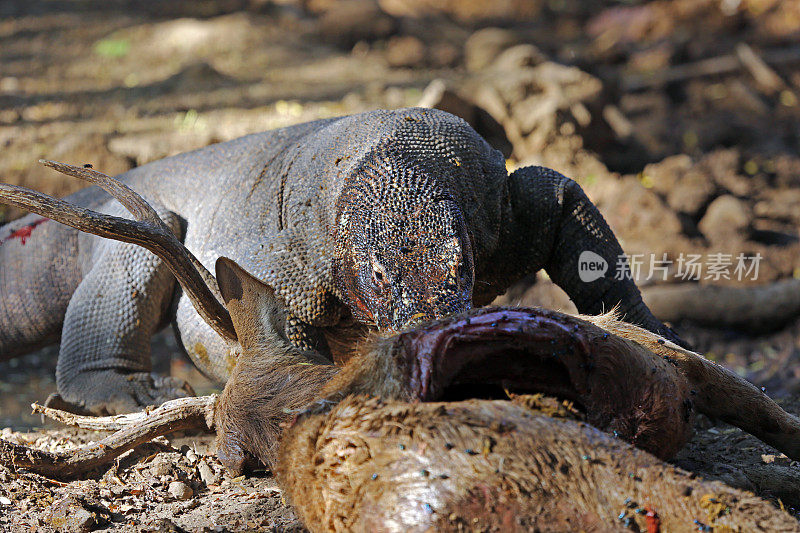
{"x": 161, "y": 465}
{"x": 725, "y": 218}
{"x": 191, "y": 456}
{"x": 485, "y": 45}
{"x": 350, "y": 21}
{"x": 405, "y": 51}
{"x": 207, "y": 474}
{"x": 694, "y": 189}
{"x": 636, "y": 213}
{"x": 665, "y": 175}
{"x": 779, "y": 204}
{"x": 68, "y": 514}
{"x": 4, "y": 501}
{"x": 180, "y": 490}
{"x": 723, "y": 165}
{"x": 444, "y": 55}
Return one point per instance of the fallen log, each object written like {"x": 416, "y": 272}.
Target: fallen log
{"x": 714, "y": 66}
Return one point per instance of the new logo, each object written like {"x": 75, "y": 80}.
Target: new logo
{"x": 591, "y": 266}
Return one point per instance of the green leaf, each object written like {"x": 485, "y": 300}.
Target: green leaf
{"x": 112, "y": 48}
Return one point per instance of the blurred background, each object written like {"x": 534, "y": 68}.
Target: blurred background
{"x": 681, "y": 119}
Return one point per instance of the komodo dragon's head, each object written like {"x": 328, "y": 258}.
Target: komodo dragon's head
{"x": 403, "y": 253}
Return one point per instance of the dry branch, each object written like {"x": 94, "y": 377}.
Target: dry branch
{"x": 759, "y": 69}
{"x": 136, "y": 428}
{"x": 90, "y": 422}
{"x": 714, "y": 66}
{"x": 755, "y": 309}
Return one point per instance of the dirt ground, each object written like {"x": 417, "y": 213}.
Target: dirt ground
{"x": 681, "y": 119}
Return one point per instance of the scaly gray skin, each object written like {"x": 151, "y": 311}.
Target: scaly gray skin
{"x": 381, "y": 219}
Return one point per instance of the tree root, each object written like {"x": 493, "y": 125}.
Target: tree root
{"x": 131, "y": 430}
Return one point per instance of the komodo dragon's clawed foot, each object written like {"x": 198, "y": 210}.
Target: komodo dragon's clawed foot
{"x": 109, "y": 392}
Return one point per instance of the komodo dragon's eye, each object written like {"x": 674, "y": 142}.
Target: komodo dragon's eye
{"x": 379, "y": 277}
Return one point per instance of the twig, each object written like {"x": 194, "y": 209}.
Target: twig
{"x": 762, "y": 72}
{"x": 137, "y": 428}
{"x": 707, "y": 67}
{"x": 617, "y": 121}
{"x": 116, "y": 422}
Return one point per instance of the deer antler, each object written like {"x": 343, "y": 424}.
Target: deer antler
{"x": 148, "y": 231}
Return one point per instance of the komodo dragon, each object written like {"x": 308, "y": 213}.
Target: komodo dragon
{"x": 376, "y": 220}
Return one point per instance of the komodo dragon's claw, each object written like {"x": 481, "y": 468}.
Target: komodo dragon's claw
{"x": 55, "y": 401}
{"x": 88, "y": 392}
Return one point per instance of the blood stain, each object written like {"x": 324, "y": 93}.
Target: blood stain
{"x": 24, "y": 232}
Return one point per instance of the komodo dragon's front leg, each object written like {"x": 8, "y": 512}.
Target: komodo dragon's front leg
{"x": 553, "y": 223}
{"x": 104, "y": 361}
{"x": 122, "y": 299}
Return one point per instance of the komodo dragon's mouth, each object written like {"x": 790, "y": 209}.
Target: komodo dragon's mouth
{"x": 492, "y": 353}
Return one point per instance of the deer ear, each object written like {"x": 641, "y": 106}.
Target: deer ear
{"x": 257, "y": 312}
